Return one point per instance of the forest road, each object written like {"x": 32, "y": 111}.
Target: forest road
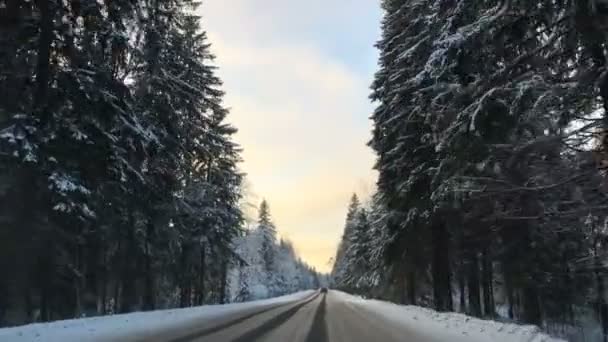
{"x": 318, "y": 318}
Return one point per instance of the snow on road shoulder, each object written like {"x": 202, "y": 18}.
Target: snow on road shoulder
{"x": 453, "y": 327}
{"x": 117, "y": 327}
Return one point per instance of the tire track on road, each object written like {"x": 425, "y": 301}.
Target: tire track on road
{"x": 273, "y": 323}
{"x": 211, "y": 330}
{"x": 318, "y": 331}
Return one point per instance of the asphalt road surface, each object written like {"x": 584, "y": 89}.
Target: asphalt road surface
{"x": 318, "y": 318}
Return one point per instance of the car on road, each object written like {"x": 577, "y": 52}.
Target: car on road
{"x": 324, "y": 290}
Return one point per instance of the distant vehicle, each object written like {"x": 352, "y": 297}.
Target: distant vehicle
{"x": 324, "y": 290}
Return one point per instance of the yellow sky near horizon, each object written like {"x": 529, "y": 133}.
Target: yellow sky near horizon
{"x": 301, "y": 105}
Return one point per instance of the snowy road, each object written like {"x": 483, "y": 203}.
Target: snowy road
{"x": 318, "y": 318}
{"x": 307, "y": 316}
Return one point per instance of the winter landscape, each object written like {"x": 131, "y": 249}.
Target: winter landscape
{"x": 323, "y": 170}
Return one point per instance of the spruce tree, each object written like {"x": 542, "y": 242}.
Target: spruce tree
{"x": 486, "y": 115}
{"x": 268, "y": 235}
{"x": 118, "y": 166}
{"x": 339, "y": 271}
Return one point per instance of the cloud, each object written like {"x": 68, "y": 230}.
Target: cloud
{"x": 301, "y": 114}
{"x": 259, "y": 22}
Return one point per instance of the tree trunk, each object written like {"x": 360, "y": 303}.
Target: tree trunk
{"x": 441, "y": 268}
{"x": 129, "y": 293}
{"x": 45, "y": 275}
{"x": 488, "y": 294}
{"x": 223, "y": 280}
{"x": 602, "y": 308}
{"x": 102, "y": 297}
{"x": 531, "y": 304}
{"x": 117, "y": 281}
{"x": 92, "y": 254}
{"x": 411, "y": 287}
{"x": 473, "y": 285}
{"x": 149, "y": 288}
{"x": 201, "y": 276}
{"x": 29, "y": 306}
{"x": 44, "y": 53}
{"x": 509, "y": 294}
{"x": 45, "y": 310}
{"x": 103, "y": 280}
{"x": 401, "y": 293}
{"x": 462, "y": 271}
{"x": 79, "y": 280}
{"x": 511, "y": 305}
{"x": 462, "y": 288}
{"x": 185, "y": 286}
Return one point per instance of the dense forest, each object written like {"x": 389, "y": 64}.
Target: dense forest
{"x": 489, "y": 132}
{"x": 119, "y": 181}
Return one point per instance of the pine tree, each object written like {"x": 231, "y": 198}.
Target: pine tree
{"x": 339, "y": 272}
{"x": 269, "y": 250}
{"x": 357, "y": 254}
{"x": 69, "y": 154}
{"x": 117, "y": 164}
{"x": 251, "y": 279}
{"x": 403, "y": 140}
{"x": 480, "y": 153}
{"x": 269, "y": 237}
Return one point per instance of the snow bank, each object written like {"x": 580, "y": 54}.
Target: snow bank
{"x": 105, "y": 328}
{"x": 452, "y": 327}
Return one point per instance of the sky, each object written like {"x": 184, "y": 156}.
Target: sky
{"x": 297, "y": 76}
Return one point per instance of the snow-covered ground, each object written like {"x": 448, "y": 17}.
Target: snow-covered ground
{"x": 423, "y": 324}
{"x": 453, "y": 327}
{"x": 105, "y": 328}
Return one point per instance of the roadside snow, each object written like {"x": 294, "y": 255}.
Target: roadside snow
{"x": 119, "y": 327}
{"x": 453, "y": 327}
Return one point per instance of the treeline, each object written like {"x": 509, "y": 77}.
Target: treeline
{"x": 490, "y": 153}
{"x": 269, "y": 267}
{"x": 119, "y": 187}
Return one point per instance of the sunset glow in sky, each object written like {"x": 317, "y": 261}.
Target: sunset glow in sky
{"x": 297, "y": 76}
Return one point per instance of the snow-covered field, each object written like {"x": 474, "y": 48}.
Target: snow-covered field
{"x": 452, "y": 327}
{"x": 106, "y": 328}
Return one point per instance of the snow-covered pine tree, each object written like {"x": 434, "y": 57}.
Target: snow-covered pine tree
{"x": 403, "y": 141}
{"x": 508, "y": 128}
{"x": 268, "y": 233}
{"x": 207, "y": 216}
{"x": 362, "y": 268}
{"x": 339, "y": 272}
{"x": 378, "y": 273}
{"x": 357, "y": 253}
{"x": 113, "y": 152}
{"x": 65, "y": 134}
{"x": 486, "y": 111}
{"x": 251, "y": 279}
{"x": 224, "y": 219}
